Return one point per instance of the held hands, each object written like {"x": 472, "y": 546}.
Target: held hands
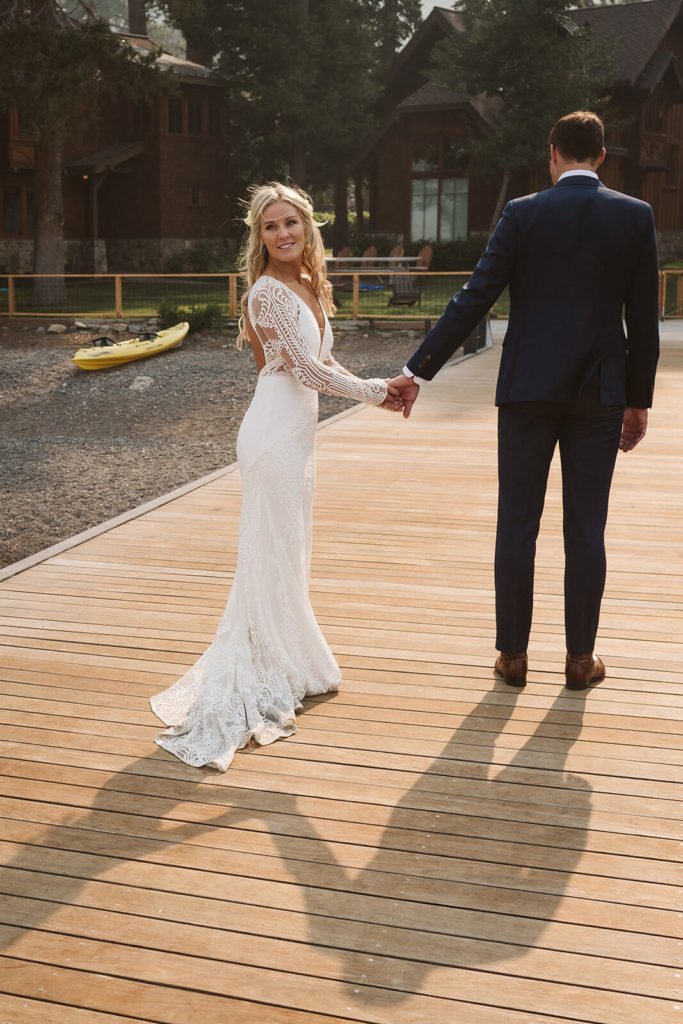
{"x": 407, "y": 389}
{"x": 633, "y": 428}
{"x": 394, "y": 400}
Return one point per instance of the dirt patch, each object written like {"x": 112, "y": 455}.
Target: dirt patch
{"x": 78, "y": 447}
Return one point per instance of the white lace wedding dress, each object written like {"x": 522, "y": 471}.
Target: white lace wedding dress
{"x": 268, "y": 652}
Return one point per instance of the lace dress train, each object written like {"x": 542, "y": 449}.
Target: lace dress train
{"x": 268, "y": 652}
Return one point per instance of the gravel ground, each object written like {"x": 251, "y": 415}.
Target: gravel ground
{"x": 77, "y": 447}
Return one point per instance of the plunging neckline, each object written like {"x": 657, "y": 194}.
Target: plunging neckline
{"x": 303, "y": 302}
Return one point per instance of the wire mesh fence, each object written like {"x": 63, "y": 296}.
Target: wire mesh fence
{"x": 671, "y": 293}
{"x": 372, "y": 294}
{"x": 115, "y": 296}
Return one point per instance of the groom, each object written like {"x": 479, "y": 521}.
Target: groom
{"x": 575, "y": 257}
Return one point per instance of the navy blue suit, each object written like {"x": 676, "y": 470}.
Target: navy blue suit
{"x": 577, "y": 258}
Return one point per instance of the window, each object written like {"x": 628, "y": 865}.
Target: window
{"x": 214, "y": 123}
{"x": 140, "y": 118}
{"x": 19, "y": 129}
{"x": 11, "y": 212}
{"x": 438, "y": 209}
{"x": 439, "y": 195}
{"x": 16, "y": 203}
{"x": 426, "y": 157}
{"x": 194, "y": 117}
{"x": 195, "y": 196}
{"x": 175, "y": 114}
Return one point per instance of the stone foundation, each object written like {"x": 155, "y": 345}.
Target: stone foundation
{"x": 670, "y": 245}
{"x": 124, "y": 256}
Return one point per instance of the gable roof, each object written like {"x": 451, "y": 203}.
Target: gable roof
{"x": 185, "y": 69}
{"x": 410, "y": 65}
{"x": 633, "y": 31}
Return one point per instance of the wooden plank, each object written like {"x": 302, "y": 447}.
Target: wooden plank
{"x": 337, "y": 952}
{"x": 430, "y": 845}
{"x": 245, "y": 911}
{"x": 171, "y": 799}
{"x": 435, "y": 993}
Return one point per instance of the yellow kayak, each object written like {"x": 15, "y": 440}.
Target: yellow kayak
{"x": 106, "y": 352}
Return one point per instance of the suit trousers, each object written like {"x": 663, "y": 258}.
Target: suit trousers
{"x": 588, "y": 436}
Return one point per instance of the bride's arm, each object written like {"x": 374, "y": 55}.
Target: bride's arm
{"x": 331, "y": 361}
{"x": 274, "y": 314}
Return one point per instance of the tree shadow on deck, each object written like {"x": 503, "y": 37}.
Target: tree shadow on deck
{"x": 375, "y": 926}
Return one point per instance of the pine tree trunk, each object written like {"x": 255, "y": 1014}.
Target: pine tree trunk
{"x": 341, "y": 211}
{"x": 502, "y": 192}
{"x": 48, "y": 256}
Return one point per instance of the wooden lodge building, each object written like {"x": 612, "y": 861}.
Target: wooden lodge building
{"x": 418, "y": 166}
{"x": 146, "y": 180}
{"x": 150, "y": 179}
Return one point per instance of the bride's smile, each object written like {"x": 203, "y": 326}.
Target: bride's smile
{"x": 283, "y": 233}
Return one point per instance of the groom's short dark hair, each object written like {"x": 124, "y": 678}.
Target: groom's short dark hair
{"x": 579, "y": 136}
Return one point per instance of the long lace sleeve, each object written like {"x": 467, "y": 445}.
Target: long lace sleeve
{"x": 274, "y": 314}
{"x": 331, "y": 361}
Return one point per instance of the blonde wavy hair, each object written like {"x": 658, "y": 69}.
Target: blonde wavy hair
{"x": 254, "y": 256}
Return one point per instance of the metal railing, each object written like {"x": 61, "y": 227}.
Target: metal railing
{"x": 367, "y": 294}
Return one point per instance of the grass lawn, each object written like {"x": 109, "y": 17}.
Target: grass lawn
{"x": 143, "y": 296}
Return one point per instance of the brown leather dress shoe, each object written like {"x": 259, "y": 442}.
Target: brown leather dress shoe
{"x": 512, "y": 667}
{"x": 583, "y": 670}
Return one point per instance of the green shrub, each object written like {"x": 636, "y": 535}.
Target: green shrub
{"x": 460, "y": 254}
{"x": 210, "y": 256}
{"x": 200, "y": 318}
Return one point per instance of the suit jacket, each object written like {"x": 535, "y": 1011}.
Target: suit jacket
{"x": 577, "y": 257}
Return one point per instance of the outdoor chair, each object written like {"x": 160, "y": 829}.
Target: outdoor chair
{"x": 406, "y": 290}
{"x": 424, "y": 257}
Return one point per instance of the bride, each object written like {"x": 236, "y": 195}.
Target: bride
{"x": 268, "y": 652}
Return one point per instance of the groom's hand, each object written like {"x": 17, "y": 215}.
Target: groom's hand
{"x": 633, "y": 428}
{"x": 408, "y": 390}
{"x": 394, "y": 399}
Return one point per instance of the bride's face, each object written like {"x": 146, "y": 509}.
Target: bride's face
{"x": 283, "y": 232}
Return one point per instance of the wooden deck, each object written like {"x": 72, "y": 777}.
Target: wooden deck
{"x": 431, "y": 847}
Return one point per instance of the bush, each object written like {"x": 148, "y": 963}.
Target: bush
{"x": 460, "y": 254}
{"x": 200, "y": 318}
{"x": 206, "y": 257}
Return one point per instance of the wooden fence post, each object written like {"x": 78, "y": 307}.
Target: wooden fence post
{"x": 10, "y": 295}
{"x": 117, "y": 296}
{"x": 233, "y": 295}
{"x": 356, "y": 295}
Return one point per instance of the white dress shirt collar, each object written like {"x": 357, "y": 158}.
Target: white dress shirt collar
{"x": 568, "y": 174}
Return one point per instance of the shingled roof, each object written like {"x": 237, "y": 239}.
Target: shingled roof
{"x": 431, "y": 97}
{"x": 633, "y": 31}
{"x": 185, "y": 69}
